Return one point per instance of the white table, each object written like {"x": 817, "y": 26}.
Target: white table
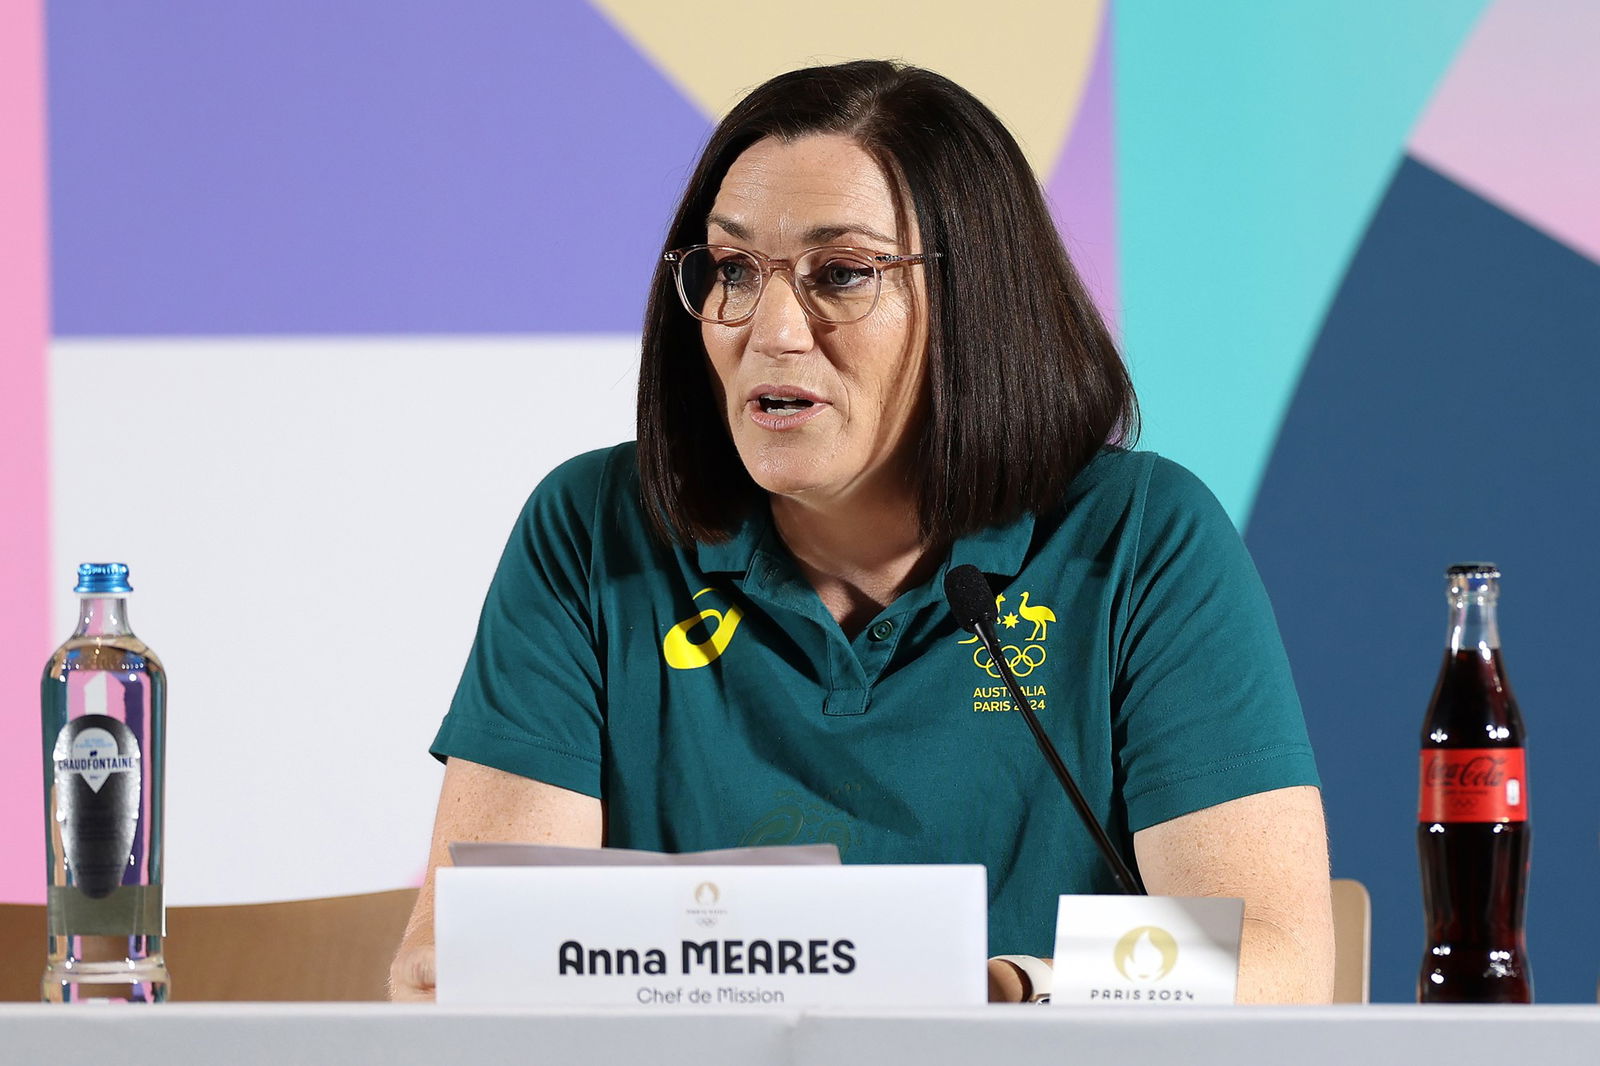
{"x": 250, "y": 1034}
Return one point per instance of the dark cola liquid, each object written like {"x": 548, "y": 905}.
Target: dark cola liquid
{"x": 1474, "y": 872}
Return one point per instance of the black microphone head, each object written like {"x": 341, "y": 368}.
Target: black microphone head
{"x": 971, "y": 599}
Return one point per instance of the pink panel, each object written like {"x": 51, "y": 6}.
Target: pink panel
{"x": 24, "y": 504}
{"x": 1514, "y": 120}
{"x": 1082, "y": 189}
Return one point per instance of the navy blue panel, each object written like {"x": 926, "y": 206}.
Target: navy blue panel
{"x": 329, "y": 166}
{"x": 1447, "y": 414}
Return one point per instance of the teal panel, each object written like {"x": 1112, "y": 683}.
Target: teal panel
{"x": 1254, "y": 140}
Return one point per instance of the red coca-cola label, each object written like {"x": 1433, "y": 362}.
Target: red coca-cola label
{"x": 1473, "y": 785}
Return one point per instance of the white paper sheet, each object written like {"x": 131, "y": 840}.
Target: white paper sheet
{"x": 476, "y": 853}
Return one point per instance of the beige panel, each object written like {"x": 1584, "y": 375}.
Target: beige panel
{"x": 1028, "y": 60}
{"x": 1352, "y": 941}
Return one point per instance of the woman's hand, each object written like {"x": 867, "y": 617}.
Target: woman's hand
{"x": 1005, "y": 982}
{"x": 1011, "y": 983}
{"x": 411, "y": 976}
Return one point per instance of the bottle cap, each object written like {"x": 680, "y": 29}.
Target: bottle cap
{"x": 102, "y": 579}
{"x": 1472, "y": 579}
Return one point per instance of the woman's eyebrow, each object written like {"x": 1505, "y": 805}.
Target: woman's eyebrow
{"x": 825, "y": 234}
{"x": 727, "y": 225}
{"x": 816, "y": 235}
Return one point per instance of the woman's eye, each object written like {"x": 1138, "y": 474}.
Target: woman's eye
{"x": 842, "y": 275}
{"x": 732, "y": 272}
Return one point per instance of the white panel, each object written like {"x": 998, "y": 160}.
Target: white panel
{"x": 311, "y": 525}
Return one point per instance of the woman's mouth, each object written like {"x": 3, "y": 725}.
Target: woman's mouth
{"x": 782, "y": 405}
{"x": 781, "y": 408}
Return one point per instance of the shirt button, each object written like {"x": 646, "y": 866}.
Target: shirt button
{"x": 881, "y": 630}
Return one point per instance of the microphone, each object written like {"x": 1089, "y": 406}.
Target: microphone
{"x": 972, "y": 602}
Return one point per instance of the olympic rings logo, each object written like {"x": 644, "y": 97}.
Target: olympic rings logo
{"x": 1021, "y": 660}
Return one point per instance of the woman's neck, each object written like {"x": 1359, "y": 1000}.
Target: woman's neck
{"x": 859, "y": 559}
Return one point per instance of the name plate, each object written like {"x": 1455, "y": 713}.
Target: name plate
{"x": 1146, "y": 950}
{"x": 718, "y": 937}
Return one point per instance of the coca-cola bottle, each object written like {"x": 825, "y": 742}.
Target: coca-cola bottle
{"x": 1472, "y": 819}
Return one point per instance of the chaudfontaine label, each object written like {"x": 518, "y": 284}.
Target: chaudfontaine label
{"x": 97, "y": 777}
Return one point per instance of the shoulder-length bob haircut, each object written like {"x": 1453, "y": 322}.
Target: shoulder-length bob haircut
{"x": 1025, "y": 384}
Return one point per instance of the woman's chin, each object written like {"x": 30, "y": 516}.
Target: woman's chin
{"x": 788, "y": 487}
{"x": 815, "y": 480}
{"x": 785, "y": 470}
{"x": 790, "y": 479}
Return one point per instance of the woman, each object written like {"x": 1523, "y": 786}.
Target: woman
{"x": 867, "y": 359}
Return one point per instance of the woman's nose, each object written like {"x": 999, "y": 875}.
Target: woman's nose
{"x": 779, "y": 325}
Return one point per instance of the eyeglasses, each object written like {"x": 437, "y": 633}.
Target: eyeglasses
{"x": 838, "y": 286}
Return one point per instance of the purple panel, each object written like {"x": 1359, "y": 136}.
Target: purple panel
{"x": 329, "y": 166}
{"x": 1082, "y": 190}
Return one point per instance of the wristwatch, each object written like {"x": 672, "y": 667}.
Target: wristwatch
{"x": 1037, "y": 976}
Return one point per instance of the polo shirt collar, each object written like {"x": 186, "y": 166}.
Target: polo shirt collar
{"x": 997, "y": 549}
{"x": 735, "y": 554}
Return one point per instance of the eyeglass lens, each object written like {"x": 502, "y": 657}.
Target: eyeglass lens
{"x": 723, "y": 284}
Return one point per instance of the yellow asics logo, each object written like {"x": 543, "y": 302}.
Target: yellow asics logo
{"x": 681, "y": 654}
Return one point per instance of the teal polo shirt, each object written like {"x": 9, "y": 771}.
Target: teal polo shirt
{"x": 706, "y": 695}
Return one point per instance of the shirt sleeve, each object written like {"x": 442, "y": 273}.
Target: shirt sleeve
{"x": 1204, "y": 704}
{"x": 531, "y": 700}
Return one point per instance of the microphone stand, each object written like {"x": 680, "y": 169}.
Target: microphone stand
{"x": 1126, "y": 878}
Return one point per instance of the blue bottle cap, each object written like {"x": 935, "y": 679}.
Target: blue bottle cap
{"x": 103, "y": 579}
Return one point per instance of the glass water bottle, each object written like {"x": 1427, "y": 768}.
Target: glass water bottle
{"x": 104, "y": 714}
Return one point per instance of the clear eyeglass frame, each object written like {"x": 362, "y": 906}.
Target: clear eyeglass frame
{"x": 766, "y": 267}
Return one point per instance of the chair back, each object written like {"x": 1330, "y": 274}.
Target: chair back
{"x": 308, "y": 950}
{"x": 1352, "y": 941}
{"x": 23, "y": 946}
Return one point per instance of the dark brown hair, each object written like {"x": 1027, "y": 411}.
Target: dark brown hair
{"x": 1025, "y": 384}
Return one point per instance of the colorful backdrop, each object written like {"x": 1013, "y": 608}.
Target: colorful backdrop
{"x": 298, "y": 299}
